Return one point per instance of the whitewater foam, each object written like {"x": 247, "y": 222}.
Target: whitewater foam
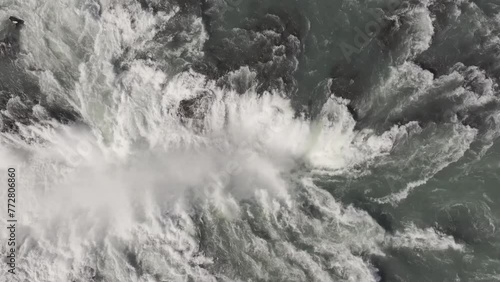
{"x": 138, "y": 193}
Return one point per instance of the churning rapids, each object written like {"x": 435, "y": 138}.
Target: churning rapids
{"x": 251, "y": 140}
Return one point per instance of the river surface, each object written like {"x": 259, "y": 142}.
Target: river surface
{"x": 249, "y": 140}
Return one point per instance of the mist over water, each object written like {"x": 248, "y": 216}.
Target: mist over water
{"x": 252, "y": 140}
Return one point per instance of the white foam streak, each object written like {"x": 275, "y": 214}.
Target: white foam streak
{"x": 423, "y": 239}
{"x": 451, "y": 151}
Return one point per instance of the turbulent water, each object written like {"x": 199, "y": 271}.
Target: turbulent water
{"x": 251, "y": 140}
